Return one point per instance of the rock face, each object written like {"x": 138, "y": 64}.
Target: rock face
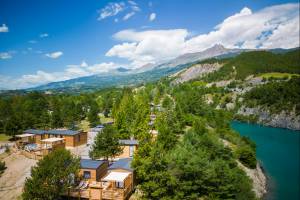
{"x": 258, "y": 178}
{"x": 196, "y": 71}
{"x": 284, "y": 119}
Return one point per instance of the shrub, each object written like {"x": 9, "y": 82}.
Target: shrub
{"x": 247, "y": 156}
{"x": 2, "y": 167}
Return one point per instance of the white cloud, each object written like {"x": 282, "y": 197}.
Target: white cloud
{"x": 152, "y": 17}
{"x": 128, "y": 15}
{"x": 134, "y": 6}
{"x": 148, "y": 46}
{"x": 54, "y": 55}
{"x": 252, "y": 30}
{"x": 43, "y": 35}
{"x": 5, "y": 55}
{"x": 83, "y": 64}
{"x": 3, "y": 28}
{"x": 111, "y": 9}
{"x": 132, "y": 3}
{"x": 42, "y": 77}
{"x": 116, "y": 20}
{"x": 272, "y": 27}
{"x": 32, "y": 41}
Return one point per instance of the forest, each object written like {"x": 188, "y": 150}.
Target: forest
{"x": 276, "y": 96}
{"x": 253, "y": 63}
{"x": 189, "y": 158}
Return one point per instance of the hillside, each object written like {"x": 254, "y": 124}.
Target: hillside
{"x": 257, "y": 86}
{"x": 151, "y": 72}
{"x": 256, "y": 62}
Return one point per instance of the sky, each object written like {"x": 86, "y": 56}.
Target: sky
{"x": 55, "y": 40}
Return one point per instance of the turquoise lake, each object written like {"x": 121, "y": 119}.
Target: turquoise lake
{"x": 278, "y": 150}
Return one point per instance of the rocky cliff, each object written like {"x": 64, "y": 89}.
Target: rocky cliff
{"x": 284, "y": 119}
{"x": 258, "y": 178}
{"x": 196, "y": 71}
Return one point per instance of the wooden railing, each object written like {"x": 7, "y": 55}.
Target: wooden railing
{"x": 83, "y": 193}
{"x": 116, "y": 194}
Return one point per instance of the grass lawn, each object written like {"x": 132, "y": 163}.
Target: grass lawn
{"x": 84, "y": 125}
{"x": 277, "y": 75}
{"x": 4, "y": 137}
{"x": 104, "y": 119}
{"x": 199, "y": 83}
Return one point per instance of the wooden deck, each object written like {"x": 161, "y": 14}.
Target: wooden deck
{"x": 99, "y": 191}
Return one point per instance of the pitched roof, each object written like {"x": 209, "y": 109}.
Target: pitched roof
{"x": 53, "y": 132}
{"x": 91, "y": 164}
{"x": 129, "y": 142}
{"x": 24, "y": 135}
{"x": 62, "y": 132}
{"x": 35, "y": 131}
{"x": 123, "y": 163}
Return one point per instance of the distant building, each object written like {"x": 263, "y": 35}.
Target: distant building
{"x": 154, "y": 134}
{"x": 128, "y": 147}
{"x": 72, "y": 138}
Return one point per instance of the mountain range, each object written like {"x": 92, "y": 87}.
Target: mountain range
{"x": 150, "y": 72}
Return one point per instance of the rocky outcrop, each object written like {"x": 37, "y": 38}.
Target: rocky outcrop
{"x": 258, "y": 178}
{"x": 284, "y": 119}
{"x": 196, "y": 71}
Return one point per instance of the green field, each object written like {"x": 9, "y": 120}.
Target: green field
{"x": 84, "y": 125}
{"x": 104, "y": 119}
{"x": 277, "y": 75}
{"x": 4, "y": 137}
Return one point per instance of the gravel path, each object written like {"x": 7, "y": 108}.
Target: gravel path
{"x": 12, "y": 180}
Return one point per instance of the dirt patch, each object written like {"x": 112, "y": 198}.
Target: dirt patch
{"x": 13, "y": 178}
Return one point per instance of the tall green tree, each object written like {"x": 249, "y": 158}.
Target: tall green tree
{"x": 93, "y": 115}
{"x": 106, "y": 144}
{"x": 52, "y": 176}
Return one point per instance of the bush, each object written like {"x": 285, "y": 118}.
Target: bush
{"x": 247, "y": 156}
{"x": 2, "y": 167}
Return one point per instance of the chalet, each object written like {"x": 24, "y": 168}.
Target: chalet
{"x": 27, "y": 146}
{"x": 119, "y": 180}
{"x": 92, "y": 170}
{"x": 153, "y": 133}
{"x": 129, "y": 147}
{"x": 113, "y": 182}
{"x": 72, "y": 138}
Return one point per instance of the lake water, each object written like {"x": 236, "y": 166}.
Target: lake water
{"x": 278, "y": 150}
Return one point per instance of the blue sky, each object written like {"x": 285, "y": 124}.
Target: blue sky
{"x": 53, "y": 40}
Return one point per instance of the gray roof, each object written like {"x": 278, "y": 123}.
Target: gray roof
{"x": 35, "y": 131}
{"x": 52, "y": 132}
{"x": 129, "y": 142}
{"x": 91, "y": 164}
{"x": 63, "y": 132}
{"x": 123, "y": 163}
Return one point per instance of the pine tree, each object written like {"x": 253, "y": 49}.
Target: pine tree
{"x": 52, "y": 176}
{"x": 92, "y": 115}
{"x": 106, "y": 144}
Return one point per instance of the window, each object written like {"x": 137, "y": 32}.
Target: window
{"x": 86, "y": 174}
{"x": 131, "y": 148}
{"x": 78, "y": 138}
{"x": 119, "y": 184}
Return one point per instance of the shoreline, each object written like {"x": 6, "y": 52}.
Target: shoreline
{"x": 264, "y": 125}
